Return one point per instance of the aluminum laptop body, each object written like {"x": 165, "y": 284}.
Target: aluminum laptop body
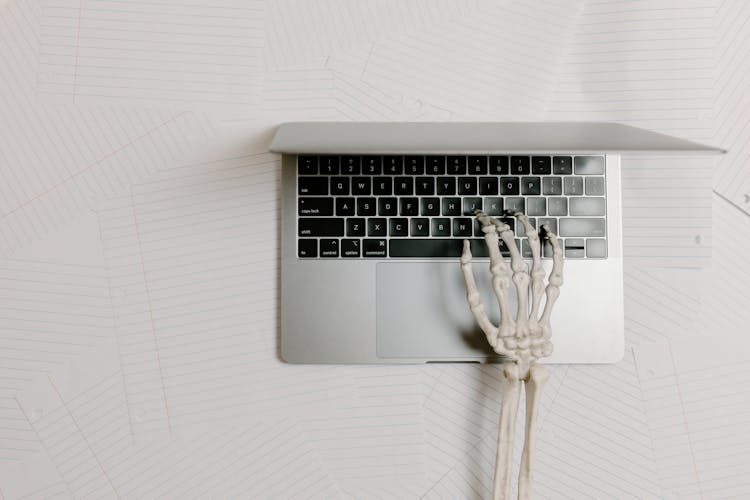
{"x": 373, "y": 294}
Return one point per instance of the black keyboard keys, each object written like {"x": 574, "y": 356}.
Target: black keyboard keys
{"x": 499, "y": 165}
{"x": 420, "y": 227}
{"x": 408, "y": 206}
{"x": 339, "y": 185}
{"x": 398, "y": 227}
{"x": 315, "y": 206}
{"x": 307, "y": 247}
{"x": 435, "y": 165}
{"x": 382, "y": 186}
{"x": 393, "y": 165}
{"x": 488, "y": 186}
{"x": 314, "y": 226}
{"x": 350, "y": 165}
{"x": 477, "y": 165}
{"x": 429, "y": 206}
{"x": 509, "y": 185}
{"x": 467, "y": 186}
{"x": 312, "y": 185}
{"x": 355, "y": 226}
{"x": 562, "y": 165}
{"x": 329, "y": 165}
{"x": 374, "y": 248}
{"x": 307, "y": 165}
{"x": 344, "y": 206}
{"x": 376, "y": 227}
{"x": 424, "y": 186}
{"x": 361, "y": 186}
{"x": 350, "y": 248}
{"x": 456, "y": 165}
{"x": 541, "y": 165}
{"x": 519, "y": 165}
{"x": 531, "y": 185}
{"x": 366, "y": 206}
{"x": 414, "y": 165}
{"x": 329, "y": 248}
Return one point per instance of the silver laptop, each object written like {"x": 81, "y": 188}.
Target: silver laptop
{"x": 374, "y": 216}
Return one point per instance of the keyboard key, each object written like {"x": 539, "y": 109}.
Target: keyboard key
{"x": 552, "y": 185}
{"x": 374, "y": 248}
{"x": 387, "y": 206}
{"x": 382, "y": 186}
{"x": 365, "y": 206}
{"x": 573, "y": 186}
{"x": 462, "y": 226}
{"x": 536, "y": 206}
{"x": 589, "y": 165}
{"x": 307, "y": 165}
{"x": 586, "y": 206}
{"x": 522, "y": 229}
{"x": 493, "y": 206}
{"x": 446, "y": 186}
{"x": 531, "y": 185}
{"x": 557, "y": 206}
{"x": 541, "y": 165}
{"x": 562, "y": 165}
{"x": 596, "y": 249}
{"x": 350, "y": 248}
{"x": 580, "y": 227}
{"x": 371, "y": 165}
{"x": 329, "y": 248}
{"x": 477, "y": 165}
{"x": 361, "y": 185}
{"x": 345, "y": 206}
{"x": 441, "y": 227}
{"x": 429, "y": 206}
{"x": 403, "y": 186}
{"x": 315, "y": 206}
{"x": 435, "y": 165}
{"x": 309, "y": 226}
{"x": 456, "y": 165}
{"x": 408, "y": 206}
{"x": 339, "y": 185}
{"x": 509, "y": 185}
{"x": 574, "y": 248}
{"x": 552, "y": 223}
{"x": 414, "y": 165}
{"x": 488, "y": 186}
{"x": 519, "y": 165}
{"x": 595, "y": 186}
{"x": 329, "y": 165}
{"x": 350, "y": 165}
{"x": 376, "y": 227}
{"x": 514, "y": 205}
{"x": 312, "y": 185}
{"x": 393, "y": 165}
{"x": 398, "y": 227}
{"x": 435, "y": 247}
{"x": 420, "y": 227}
{"x": 471, "y": 205}
{"x": 452, "y": 206}
{"x": 424, "y": 186}
{"x": 355, "y": 227}
{"x": 499, "y": 165}
{"x": 467, "y": 186}
{"x": 307, "y": 248}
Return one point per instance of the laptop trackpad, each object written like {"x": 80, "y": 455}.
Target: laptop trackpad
{"x": 422, "y": 311}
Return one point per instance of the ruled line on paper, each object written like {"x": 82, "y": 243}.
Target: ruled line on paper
{"x": 204, "y": 248}
{"x": 172, "y": 54}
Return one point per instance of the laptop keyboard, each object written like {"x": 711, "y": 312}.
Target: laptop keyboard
{"x": 394, "y": 206}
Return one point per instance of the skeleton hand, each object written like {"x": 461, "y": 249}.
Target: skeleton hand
{"x": 527, "y": 337}
{"x": 522, "y": 340}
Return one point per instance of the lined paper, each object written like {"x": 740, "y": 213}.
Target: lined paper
{"x": 697, "y": 405}
{"x": 169, "y": 54}
{"x": 138, "y": 229}
{"x": 193, "y": 262}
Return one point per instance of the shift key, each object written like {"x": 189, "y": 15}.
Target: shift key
{"x": 571, "y": 226}
{"x": 313, "y": 226}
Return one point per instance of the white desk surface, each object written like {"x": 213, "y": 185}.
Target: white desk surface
{"x": 139, "y": 267}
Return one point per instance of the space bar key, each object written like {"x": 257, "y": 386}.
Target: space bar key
{"x": 415, "y": 247}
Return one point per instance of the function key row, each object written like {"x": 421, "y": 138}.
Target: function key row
{"x": 449, "y": 164}
{"x": 449, "y": 186}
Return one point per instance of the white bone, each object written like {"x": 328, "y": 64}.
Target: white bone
{"x": 506, "y": 430}
{"x": 537, "y": 271}
{"x": 534, "y": 384}
{"x": 498, "y": 272}
{"x": 520, "y": 278}
{"x": 555, "y": 276}
{"x": 522, "y": 341}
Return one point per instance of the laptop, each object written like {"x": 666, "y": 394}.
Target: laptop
{"x": 373, "y": 221}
